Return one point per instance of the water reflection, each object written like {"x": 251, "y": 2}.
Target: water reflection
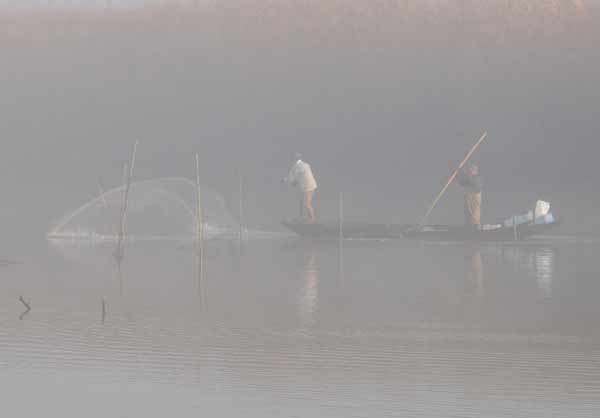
{"x": 308, "y": 297}
{"x": 544, "y": 270}
{"x": 419, "y": 325}
{"x": 536, "y": 262}
{"x": 474, "y": 272}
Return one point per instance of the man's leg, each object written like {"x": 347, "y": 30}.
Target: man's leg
{"x": 473, "y": 209}
{"x": 477, "y": 209}
{"x": 301, "y": 208}
{"x": 308, "y": 206}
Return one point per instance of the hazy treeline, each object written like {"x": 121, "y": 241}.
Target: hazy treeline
{"x": 496, "y": 20}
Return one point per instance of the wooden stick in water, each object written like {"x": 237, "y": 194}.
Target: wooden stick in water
{"x": 119, "y": 250}
{"x": 121, "y": 228}
{"x": 28, "y": 308}
{"x": 199, "y": 222}
{"x": 452, "y": 177}
{"x": 341, "y": 216}
{"x": 101, "y": 190}
{"x": 25, "y": 303}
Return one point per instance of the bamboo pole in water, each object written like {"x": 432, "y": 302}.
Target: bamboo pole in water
{"x": 27, "y": 306}
{"x": 119, "y": 250}
{"x": 341, "y": 215}
{"x": 101, "y": 190}
{"x": 199, "y": 221}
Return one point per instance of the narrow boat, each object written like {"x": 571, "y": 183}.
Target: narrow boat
{"x": 358, "y": 230}
{"x": 512, "y": 229}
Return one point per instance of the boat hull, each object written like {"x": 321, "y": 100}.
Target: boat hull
{"x": 354, "y": 230}
{"x": 424, "y": 233}
{"x": 460, "y": 233}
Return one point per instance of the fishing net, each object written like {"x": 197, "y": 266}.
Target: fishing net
{"x": 156, "y": 209}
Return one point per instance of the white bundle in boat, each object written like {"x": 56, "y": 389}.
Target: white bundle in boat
{"x": 541, "y": 209}
{"x": 541, "y": 215}
{"x": 519, "y": 219}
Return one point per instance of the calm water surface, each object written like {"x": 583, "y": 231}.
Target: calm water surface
{"x": 288, "y": 328}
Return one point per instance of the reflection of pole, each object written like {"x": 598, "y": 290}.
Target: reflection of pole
{"x": 241, "y": 207}
{"x": 474, "y": 277}
{"x": 341, "y": 234}
{"x": 308, "y": 298}
{"x": 119, "y": 250}
{"x": 199, "y": 272}
{"x": 120, "y": 278}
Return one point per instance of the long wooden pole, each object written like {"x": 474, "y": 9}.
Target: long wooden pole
{"x": 341, "y": 216}
{"x": 452, "y": 177}
{"x": 119, "y": 249}
{"x": 199, "y": 220}
{"x": 101, "y": 190}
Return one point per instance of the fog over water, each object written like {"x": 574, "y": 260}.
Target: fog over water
{"x": 383, "y": 98}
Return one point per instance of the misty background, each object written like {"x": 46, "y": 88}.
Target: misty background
{"x": 383, "y": 98}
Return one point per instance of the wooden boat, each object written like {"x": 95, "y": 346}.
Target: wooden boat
{"x": 359, "y": 230}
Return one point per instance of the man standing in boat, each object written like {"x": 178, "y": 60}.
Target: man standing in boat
{"x": 301, "y": 176}
{"x": 472, "y": 181}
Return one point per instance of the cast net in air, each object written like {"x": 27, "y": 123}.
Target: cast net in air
{"x": 156, "y": 209}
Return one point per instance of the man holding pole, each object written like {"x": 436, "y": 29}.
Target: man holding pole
{"x": 452, "y": 178}
{"x": 302, "y": 177}
{"x": 472, "y": 181}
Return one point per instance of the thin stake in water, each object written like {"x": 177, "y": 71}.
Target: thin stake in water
{"x": 101, "y": 190}
{"x": 119, "y": 251}
{"x": 199, "y": 222}
{"x": 241, "y": 206}
{"x": 341, "y": 215}
{"x": 27, "y": 306}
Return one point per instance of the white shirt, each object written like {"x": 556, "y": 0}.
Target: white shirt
{"x": 301, "y": 174}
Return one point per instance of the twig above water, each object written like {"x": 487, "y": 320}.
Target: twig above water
{"x": 27, "y": 306}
